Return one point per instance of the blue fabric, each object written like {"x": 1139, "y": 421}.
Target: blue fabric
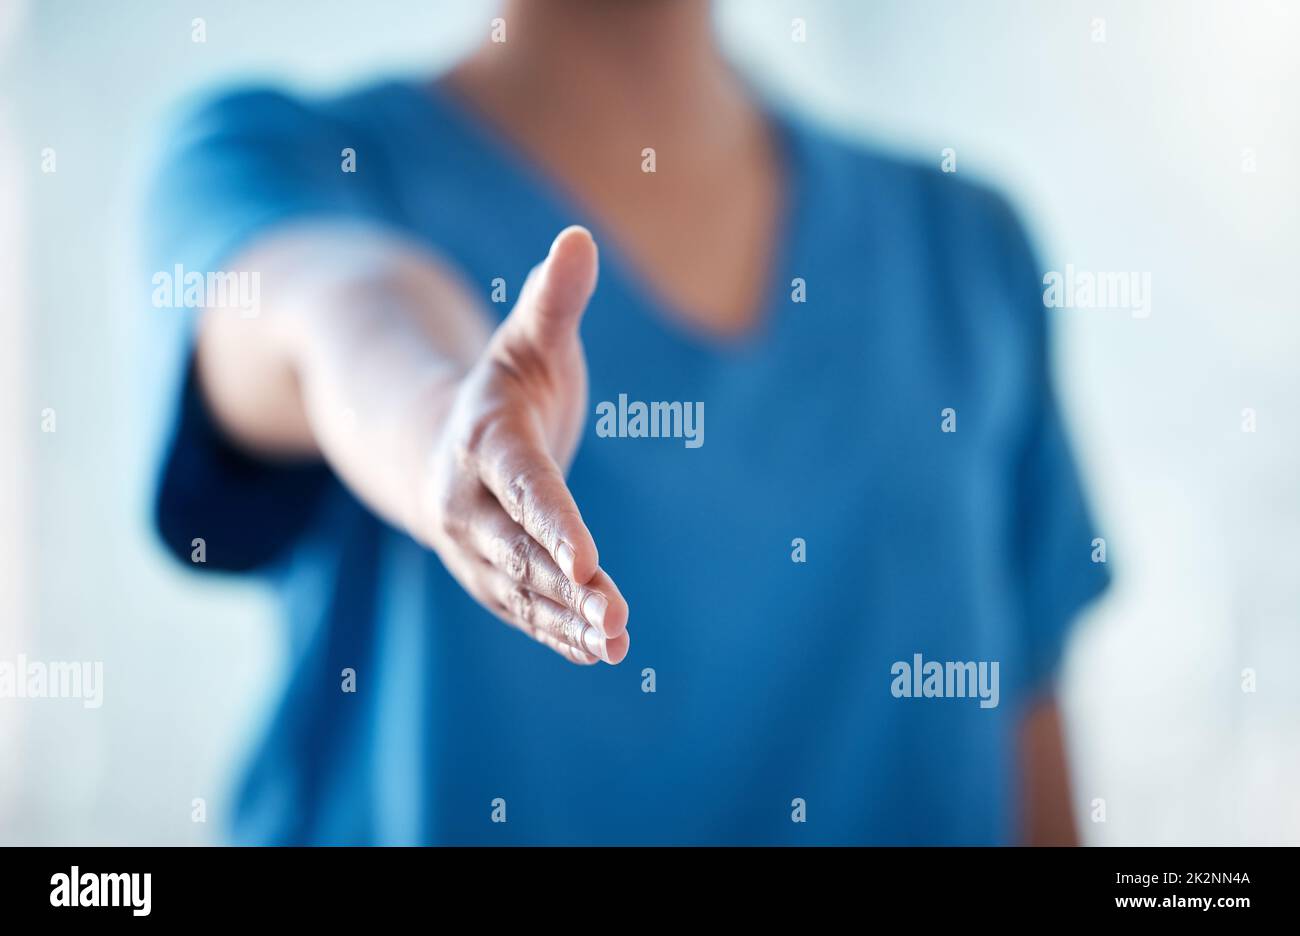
{"x": 773, "y": 677}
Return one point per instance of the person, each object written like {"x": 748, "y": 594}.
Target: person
{"x": 453, "y": 424}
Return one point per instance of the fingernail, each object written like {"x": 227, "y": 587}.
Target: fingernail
{"x": 564, "y": 556}
{"x": 594, "y": 607}
{"x": 594, "y": 642}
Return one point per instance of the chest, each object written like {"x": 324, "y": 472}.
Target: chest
{"x": 699, "y": 245}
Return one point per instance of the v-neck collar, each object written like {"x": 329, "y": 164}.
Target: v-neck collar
{"x": 488, "y": 144}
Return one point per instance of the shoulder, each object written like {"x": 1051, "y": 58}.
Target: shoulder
{"x": 953, "y": 217}
{"x": 260, "y": 144}
{"x": 947, "y": 246}
{"x": 267, "y": 112}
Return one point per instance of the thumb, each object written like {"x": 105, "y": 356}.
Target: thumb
{"x": 556, "y": 292}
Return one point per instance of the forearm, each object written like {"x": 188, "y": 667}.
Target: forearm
{"x": 354, "y": 356}
{"x": 1047, "y": 817}
{"x": 375, "y": 393}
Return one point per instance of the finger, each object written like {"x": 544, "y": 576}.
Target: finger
{"x": 543, "y": 618}
{"x": 494, "y": 595}
{"x": 556, "y": 292}
{"x": 613, "y": 617}
{"x": 510, "y": 549}
{"x": 515, "y": 467}
{"x": 572, "y": 654}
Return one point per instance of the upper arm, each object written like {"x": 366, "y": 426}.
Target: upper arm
{"x": 252, "y": 182}
{"x": 231, "y": 170}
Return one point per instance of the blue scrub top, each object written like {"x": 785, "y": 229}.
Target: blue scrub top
{"x": 776, "y": 687}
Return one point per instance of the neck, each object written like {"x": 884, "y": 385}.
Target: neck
{"x": 654, "y": 62}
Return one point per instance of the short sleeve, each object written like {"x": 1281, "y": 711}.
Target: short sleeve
{"x": 230, "y": 170}
{"x": 1052, "y": 525}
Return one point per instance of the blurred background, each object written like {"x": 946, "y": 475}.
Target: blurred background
{"x": 1155, "y": 136}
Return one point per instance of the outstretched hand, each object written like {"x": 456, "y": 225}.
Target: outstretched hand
{"x": 498, "y": 511}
